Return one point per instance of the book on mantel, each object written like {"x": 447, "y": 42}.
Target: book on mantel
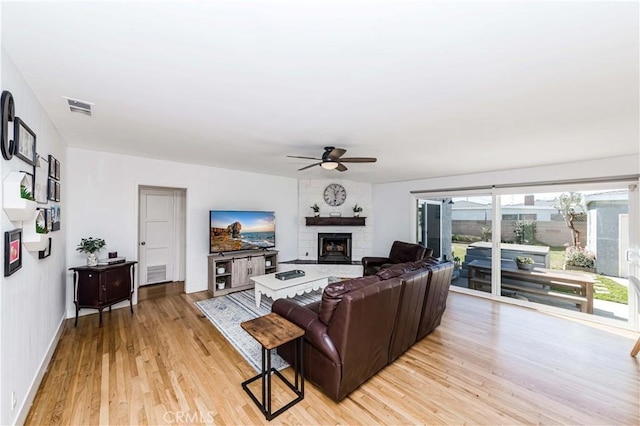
{"x": 111, "y": 261}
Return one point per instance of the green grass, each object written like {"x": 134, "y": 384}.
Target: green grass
{"x": 617, "y": 293}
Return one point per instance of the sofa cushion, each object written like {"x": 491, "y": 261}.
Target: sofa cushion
{"x": 397, "y": 270}
{"x": 332, "y": 294}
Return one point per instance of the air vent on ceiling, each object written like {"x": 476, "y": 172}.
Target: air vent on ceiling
{"x": 76, "y": 105}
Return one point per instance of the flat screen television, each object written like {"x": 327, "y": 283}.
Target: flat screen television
{"x": 232, "y": 230}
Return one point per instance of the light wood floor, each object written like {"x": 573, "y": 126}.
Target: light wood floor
{"x": 488, "y": 363}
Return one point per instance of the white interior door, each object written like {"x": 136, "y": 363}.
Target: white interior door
{"x": 157, "y": 231}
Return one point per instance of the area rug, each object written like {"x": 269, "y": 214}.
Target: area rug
{"x": 227, "y": 312}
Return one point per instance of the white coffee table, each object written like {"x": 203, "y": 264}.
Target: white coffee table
{"x": 274, "y": 288}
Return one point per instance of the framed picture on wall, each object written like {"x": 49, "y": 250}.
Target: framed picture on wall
{"x": 57, "y": 185}
{"x": 40, "y": 185}
{"x": 55, "y": 217}
{"x": 46, "y": 252}
{"x": 25, "y": 142}
{"x": 48, "y": 219}
{"x": 57, "y": 169}
{"x": 52, "y": 167}
{"x": 12, "y": 251}
{"x": 51, "y": 190}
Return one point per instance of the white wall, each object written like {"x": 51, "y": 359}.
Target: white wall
{"x": 394, "y": 206}
{"x": 32, "y": 300}
{"x": 311, "y": 191}
{"x": 103, "y": 202}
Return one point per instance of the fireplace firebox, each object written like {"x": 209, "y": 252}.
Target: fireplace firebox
{"x": 334, "y": 248}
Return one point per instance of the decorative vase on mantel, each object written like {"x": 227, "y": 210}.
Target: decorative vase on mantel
{"x": 92, "y": 260}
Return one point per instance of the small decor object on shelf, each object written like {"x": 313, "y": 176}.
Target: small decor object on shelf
{"x": 524, "y": 262}
{"x": 221, "y": 285}
{"x": 221, "y": 270}
{"x": 12, "y": 251}
{"x": 41, "y": 222}
{"x": 25, "y": 193}
{"x": 357, "y": 210}
{"x": 92, "y": 246}
{"x": 316, "y": 209}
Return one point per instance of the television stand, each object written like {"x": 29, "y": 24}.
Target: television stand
{"x": 231, "y": 272}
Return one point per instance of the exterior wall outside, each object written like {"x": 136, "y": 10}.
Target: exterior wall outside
{"x": 603, "y": 238}
{"x": 541, "y": 213}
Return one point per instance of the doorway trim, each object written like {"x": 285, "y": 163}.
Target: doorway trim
{"x": 178, "y": 233}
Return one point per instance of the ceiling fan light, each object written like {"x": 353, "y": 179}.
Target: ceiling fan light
{"x": 329, "y": 165}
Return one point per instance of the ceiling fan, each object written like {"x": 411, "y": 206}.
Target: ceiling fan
{"x": 332, "y": 159}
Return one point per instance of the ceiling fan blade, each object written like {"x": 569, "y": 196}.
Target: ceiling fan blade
{"x": 358, "y": 160}
{"x": 309, "y": 166}
{"x": 341, "y": 167}
{"x": 306, "y": 158}
{"x": 336, "y": 153}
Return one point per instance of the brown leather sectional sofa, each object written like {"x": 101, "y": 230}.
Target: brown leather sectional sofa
{"x": 363, "y": 324}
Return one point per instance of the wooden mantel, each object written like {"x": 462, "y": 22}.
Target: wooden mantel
{"x": 335, "y": 221}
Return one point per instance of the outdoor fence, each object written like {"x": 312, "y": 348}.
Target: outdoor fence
{"x": 552, "y": 233}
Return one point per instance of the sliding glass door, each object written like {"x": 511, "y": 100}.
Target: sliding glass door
{"x": 563, "y": 247}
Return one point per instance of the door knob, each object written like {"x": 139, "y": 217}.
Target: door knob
{"x": 142, "y": 243}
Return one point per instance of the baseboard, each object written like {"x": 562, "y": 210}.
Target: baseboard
{"x": 35, "y": 384}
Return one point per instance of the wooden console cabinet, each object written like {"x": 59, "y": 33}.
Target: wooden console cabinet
{"x": 233, "y": 271}
{"x": 97, "y": 287}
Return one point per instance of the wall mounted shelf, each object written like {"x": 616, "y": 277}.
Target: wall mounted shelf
{"x": 18, "y": 209}
{"x": 31, "y": 240}
{"x": 335, "y": 221}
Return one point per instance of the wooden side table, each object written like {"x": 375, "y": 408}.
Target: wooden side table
{"x": 99, "y": 287}
{"x": 272, "y": 331}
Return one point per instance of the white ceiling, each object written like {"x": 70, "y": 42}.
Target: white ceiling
{"x": 429, "y": 88}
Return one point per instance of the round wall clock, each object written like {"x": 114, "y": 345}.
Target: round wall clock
{"x": 335, "y": 195}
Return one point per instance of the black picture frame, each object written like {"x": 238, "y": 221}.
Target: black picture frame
{"x": 43, "y": 254}
{"x": 58, "y": 191}
{"x": 57, "y": 169}
{"x": 52, "y": 167}
{"x": 40, "y": 185}
{"x": 25, "y": 142}
{"x": 12, "y": 251}
{"x": 48, "y": 219}
{"x": 55, "y": 217}
{"x": 51, "y": 190}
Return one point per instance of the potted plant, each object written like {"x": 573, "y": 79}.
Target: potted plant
{"x": 26, "y": 194}
{"x": 456, "y": 262}
{"x": 356, "y": 210}
{"x": 41, "y": 229}
{"x": 524, "y": 262}
{"x": 92, "y": 246}
{"x": 316, "y": 209}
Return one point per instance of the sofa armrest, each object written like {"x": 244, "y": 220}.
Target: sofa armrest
{"x": 315, "y": 330}
{"x": 371, "y": 265}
